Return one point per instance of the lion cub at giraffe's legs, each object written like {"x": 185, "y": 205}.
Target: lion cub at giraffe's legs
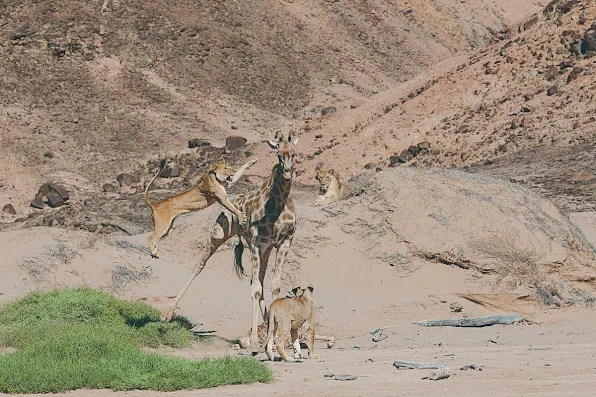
{"x": 287, "y": 315}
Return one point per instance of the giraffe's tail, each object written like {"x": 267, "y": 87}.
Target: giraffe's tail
{"x": 238, "y": 250}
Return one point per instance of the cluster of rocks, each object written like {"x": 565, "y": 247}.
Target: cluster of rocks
{"x": 409, "y": 154}
{"x": 51, "y": 194}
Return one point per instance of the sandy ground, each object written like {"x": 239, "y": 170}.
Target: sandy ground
{"x": 553, "y": 358}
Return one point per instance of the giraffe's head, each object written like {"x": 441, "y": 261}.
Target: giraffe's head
{"x": 284, "y": 148}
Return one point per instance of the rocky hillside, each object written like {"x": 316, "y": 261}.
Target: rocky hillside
{"x": 523, "y": 108}
{"x": 92, "y": 88}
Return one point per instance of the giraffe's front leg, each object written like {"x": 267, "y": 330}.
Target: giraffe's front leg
{"x": 282, "y": 252}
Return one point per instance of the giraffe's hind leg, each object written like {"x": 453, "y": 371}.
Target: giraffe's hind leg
{"x": 221, "y": 231}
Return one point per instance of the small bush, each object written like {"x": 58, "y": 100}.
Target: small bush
{"x": 81, "y": 338}
{"x": 517, "y": 265}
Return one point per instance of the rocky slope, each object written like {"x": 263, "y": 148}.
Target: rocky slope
{"x": 92, "y": 88}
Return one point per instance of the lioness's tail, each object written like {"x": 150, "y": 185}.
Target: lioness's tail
{"x": 149, "y": 203}
{"x": 238, "y": 250}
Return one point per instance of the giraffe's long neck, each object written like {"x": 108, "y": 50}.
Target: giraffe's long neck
{"x": 276, "y": 190}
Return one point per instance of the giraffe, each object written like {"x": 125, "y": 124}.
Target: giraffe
{"x": 271, "y": 224}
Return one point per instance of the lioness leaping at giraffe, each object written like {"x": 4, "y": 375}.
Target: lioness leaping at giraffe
{"x": 271, "y": 224}
{"x": 209, "y": 189}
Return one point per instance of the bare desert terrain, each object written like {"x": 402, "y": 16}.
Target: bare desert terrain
{"x": 466, "y": 130}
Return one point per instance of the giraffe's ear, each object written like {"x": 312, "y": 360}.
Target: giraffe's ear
{"x": 293, "y": 137}
{"x": 273, "y": 144}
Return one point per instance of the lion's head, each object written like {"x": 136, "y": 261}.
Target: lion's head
{"x": 222, "y": 170}
{"x": 325, "y": 177}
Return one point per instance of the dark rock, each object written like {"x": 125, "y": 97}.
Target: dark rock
{"x": 37, "y": 203}
{"x": 328, "y": 110}
{"x": 424, "y": 146}
{"x": 414, "y": 150}
{"x": 551, "y": 73}
{"x": 560, "y": 6}
{"x": 566, "y": 64}
{"x": 554, "y": 90}
{"x": 54, "y": 200}
{"x": 369, "y": 166}
{"x": 514, "y": 123}
{"x": 109, "y": 188}
{"x": 235, "y": 142}
{"x": 170, "y": 172}
{"x": 590, "y": 38}
{"x": 463, "y": 129}
{"x": 574, "y": 74}
{"x": 124, "y": 179}
{"x": 319, "y": 136}
{"x": 529, "y": 23}
{"x": 403, "y": 157}
{"x": 61, "y": 191}
{"x": 9, "y": 209}
{"x": 193, "y": 143}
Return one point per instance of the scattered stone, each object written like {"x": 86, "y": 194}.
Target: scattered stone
{"x": 124, "y": 179}
{"x": 576, "y": 125}
{"x": 414, "y": 150}
{"x": 48, "y": 189}
{"x": 379, "y": 336}
{"x": 574, "y": 74}
{"x": 525, "y": 122}
{"x": 169, "y": 172}
{"x": 551, "y": 73}
{"x": 441, "y": 373}
{"x": 340, "y": 377}
{"x": 456, "y": 307}
{"x": 590, "y": 38}
{"x": 54, "y": 200}
{"x": 37, "y": 202}
{"x": 471, "y": 366}
{"x": 403, "y": 157}
{"x": 318, "y": 136}
{"x": 568, "y": 63}
{"x": 235, "y": 142}
{"x": 109, "y": 188}
{"x": 529, "y": 23}
{"x": 424, "y": 146}
{"x": 9, "y": 209}
{"x": 528, "y": 97}
{"x": 514, "y": 123}
{"x": 464, "y": 128}
{"x": 554, "y": 90}
{"x": 328, "y": 110}
{"x": 193, "y": 143}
